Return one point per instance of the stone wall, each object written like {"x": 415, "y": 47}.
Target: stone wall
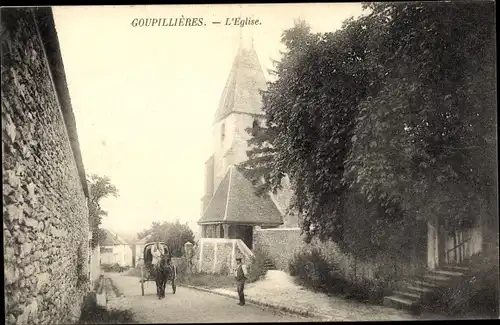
{"x": 213, "y": 255}
{"x": 280, "y": 243}
{"x": 44, "y": 195}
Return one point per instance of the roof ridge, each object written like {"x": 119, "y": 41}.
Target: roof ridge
{"x": 213, "y": 195}
{"x": 228, "y": 191}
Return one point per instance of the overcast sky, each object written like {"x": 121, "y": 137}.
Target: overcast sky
{"x": 144, "y": 98}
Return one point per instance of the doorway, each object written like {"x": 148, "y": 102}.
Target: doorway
{"x": 247, "y": 235}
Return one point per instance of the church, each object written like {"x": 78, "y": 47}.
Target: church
{"x": 230, "y": 207}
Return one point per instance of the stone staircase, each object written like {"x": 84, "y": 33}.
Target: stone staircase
{"x": 269, "y": 264}
{"x": 415, "y": 293}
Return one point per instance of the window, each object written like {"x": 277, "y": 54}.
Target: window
{"x": 106, "y": 250}
{"x": 255, "y": 126}
{"x": 222, "y": 132}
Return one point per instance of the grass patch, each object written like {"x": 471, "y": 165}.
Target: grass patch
{"x": 92, "y": 313}
{"x": 209, "y": 281}
{"x": 204, "y": 280}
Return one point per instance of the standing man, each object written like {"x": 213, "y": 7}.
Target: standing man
{"x": 241, "y": 276}
{"x": 172, "y": 273}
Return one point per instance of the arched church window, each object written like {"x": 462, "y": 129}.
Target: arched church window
{"x": 222, "y": 132}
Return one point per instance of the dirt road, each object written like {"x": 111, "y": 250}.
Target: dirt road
{"x": 188, "y": 305}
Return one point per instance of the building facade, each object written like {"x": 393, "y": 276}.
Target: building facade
{"x": 115, "y": 250}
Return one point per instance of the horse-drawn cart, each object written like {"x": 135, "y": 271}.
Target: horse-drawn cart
{"x": 146, "y": 266}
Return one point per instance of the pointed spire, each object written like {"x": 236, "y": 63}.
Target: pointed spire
{"x": 245, "y": 35}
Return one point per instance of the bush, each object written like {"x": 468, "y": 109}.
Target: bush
{"x": 257, "y": 266}
{"x": 114, "y": 267}
{"x": 477, "y": 295}
{"x": 314, "y": 271}
{"x": 319, "y": 272}
{"x": 92, "y": 313}
{"x": 182, "y": 268}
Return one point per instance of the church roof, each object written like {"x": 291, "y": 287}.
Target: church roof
{"x": 241, "y": 93}
{"x": 235, "y": 201}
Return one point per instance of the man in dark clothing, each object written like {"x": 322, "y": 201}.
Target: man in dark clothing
{"x": 241, "y": 276}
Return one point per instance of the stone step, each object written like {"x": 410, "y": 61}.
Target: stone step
{"x": 425, "y": 284}
{"x": 420, "y": 290}
{"x": 448, "y": 273}
{"x": 411, "y": 295}
{"x": 402, "y": 303}
{"x": 435, "y": 278}
{"x": 456, "y": 268}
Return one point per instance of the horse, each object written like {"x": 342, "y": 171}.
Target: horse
{"x": 162, "y": 273}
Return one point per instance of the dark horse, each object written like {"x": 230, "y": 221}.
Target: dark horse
{"x": 164, "y": 271}
{"x": 161, "y": 273}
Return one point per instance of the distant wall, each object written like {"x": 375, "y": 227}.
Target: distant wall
{"x": 280, "y": 243}
{"x": 46, "y": 220}
{"x": 215, "y": 254}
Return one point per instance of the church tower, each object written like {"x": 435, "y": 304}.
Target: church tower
{"x": 229, "y": 197}
{"x": 239, "y": 106}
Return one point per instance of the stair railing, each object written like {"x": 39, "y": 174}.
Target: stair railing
{"x": 460, "y": 251}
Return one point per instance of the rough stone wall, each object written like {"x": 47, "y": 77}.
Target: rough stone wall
{"x": 218, "y": 252}
{"x": 280, "y": 243}
{"x": 45, "y": 211}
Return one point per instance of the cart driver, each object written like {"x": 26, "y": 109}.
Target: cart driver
{"x": 157, "y": 251}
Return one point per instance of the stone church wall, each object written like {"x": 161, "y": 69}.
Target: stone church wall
{"x": 214, "y": 255}
{"x": 44, "y": 200}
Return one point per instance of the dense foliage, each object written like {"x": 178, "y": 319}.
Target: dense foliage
{"x": 385, "y": 123}
{"x": 100, "y": 188}
{"x": 476, "y": 294}
{"x": 257, "y": 267}
{"x": 174, "y": 234}
{"x": 316, "y": 271}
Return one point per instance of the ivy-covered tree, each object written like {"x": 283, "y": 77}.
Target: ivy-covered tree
{"x": 417, "y": 139}
{"x": 394, "y": 113}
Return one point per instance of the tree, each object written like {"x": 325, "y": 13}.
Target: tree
{"x": 100, "y": 188}
{"x": 175, "y": 235}
{"x": 395, "y": 113}
{"x": 417, "y": 140}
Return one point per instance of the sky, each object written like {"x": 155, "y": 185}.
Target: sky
{"x": 144, "y": 97}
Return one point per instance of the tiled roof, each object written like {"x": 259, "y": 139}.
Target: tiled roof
{"x": 112, "y": 239}
{"x": 241, "y": 93}
{"x": 235, "y": 201}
